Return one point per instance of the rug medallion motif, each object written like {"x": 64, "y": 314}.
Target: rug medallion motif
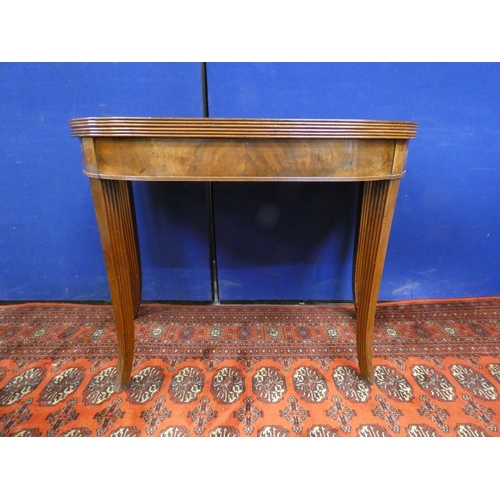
{"x": 260, "y": 371}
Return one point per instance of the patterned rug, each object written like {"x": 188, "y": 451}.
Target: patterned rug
{"x": 252, "y": 371}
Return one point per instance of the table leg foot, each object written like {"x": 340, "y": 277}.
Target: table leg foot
{"x": 114, "y": 210}
{"x": 366, "y": 373}
{"x": 125, "y": 364}
{"x": 378, "y": 202}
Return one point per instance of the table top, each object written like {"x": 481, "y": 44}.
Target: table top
{"x": 243, "y": 128}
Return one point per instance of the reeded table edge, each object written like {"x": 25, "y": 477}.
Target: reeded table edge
{"x": 243, "y": 128}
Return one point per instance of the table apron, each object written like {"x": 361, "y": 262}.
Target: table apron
{"x": 203, "y": 159}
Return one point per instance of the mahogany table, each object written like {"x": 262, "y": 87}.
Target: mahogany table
{"x": 118, "y": 150}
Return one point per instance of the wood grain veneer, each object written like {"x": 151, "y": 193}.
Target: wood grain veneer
{"x": 243, "y": 159}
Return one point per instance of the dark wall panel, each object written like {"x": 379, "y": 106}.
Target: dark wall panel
{"x": 277, "y": 241}
{"x": 49, "y": 243}
{"x": 446, "y": 236}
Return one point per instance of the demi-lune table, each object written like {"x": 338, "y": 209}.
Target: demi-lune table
{"x": 118, "y": 150}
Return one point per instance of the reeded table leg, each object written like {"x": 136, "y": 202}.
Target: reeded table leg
{"x": 378, "y": 202}
{"x": 115, "y": 216}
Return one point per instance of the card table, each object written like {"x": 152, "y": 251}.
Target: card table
{"x": 119, "y": 150}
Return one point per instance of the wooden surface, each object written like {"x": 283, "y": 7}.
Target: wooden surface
{"x": 241, "y": 128}
{"x": 114, "y": 211}
{"x": 118, "y": 150}
{"x": 243, "y": 159}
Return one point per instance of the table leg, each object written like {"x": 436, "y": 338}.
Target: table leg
{"x": 378, "y": 202}
{"x": 114, "y": 208}
{"x": 134, "y": 254}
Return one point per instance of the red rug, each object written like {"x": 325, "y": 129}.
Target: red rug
{"x": 252, "y": 371}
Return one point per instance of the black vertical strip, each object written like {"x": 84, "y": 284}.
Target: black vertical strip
{"x": 204, "y": 89}
{"x": 213, "y": 253}
{"x": 214, "y": 276}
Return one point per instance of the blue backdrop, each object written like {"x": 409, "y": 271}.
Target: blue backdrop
{"x": 274, "y": 241}
{"x": 445, "y": 240}
{"x": 49, "y": 242}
